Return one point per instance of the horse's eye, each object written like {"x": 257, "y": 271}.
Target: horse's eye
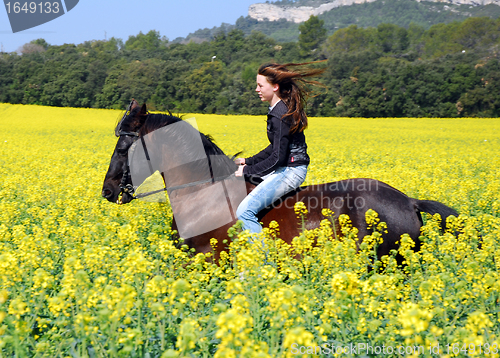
{"x": 122, "y": 151}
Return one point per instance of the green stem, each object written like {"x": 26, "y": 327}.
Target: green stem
{"x": 162, "y": 334}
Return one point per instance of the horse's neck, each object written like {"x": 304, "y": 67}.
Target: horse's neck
{"x": 185, "y": 156}
{"x": 188, "y": 174}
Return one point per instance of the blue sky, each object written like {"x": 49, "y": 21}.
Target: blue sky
{"x": 100, "y": 19}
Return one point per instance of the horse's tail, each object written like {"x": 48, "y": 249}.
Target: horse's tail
{"x": 435, "y": 207}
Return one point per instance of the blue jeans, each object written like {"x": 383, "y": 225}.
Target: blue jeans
{"x": 276, "y": 184}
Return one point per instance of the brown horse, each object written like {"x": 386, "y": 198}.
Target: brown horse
{"x": 194, "y": 194}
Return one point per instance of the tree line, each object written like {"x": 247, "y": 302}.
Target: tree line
{"x": 448, "y": 70}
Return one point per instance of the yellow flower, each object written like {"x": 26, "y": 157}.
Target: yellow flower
{"x": 414, "y": 319}
{"x": 188, "y": 335}
{"x": 300, "y": 209}
{"x": 18, "y": 307}
{"x": 298, "y": 340}
{"x": 3, "y": 296}
{"x": 118, "y": 279}
{"x": 346, "y": 281}
{"x": 477, "y": 322}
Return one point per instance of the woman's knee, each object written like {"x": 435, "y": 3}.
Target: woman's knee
{"x": 239, "y": 212}
{"x": 243, "y": 211}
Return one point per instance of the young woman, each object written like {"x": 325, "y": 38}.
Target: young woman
{"x": 283, "y": 164}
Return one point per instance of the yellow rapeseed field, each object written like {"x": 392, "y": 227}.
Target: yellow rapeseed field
{"x": 81, "y": 277}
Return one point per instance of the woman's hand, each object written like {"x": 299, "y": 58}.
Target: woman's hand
{"x": 239, "y": 161}
{"x": 239, "y": 172}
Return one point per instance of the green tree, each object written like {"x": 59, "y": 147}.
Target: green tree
{"x": 227, "y": 46}
{"x": 415, "y": 33}
{"x": 392, "y": 38}
{"x": 312, "y": 35}
{"x": 204, "y": 87}
{"x": 484, "y": 99}
{"x": 349, "y": 39}
{"x": 137, "y": 79}
{"x": 41, "y": 42}
{"x": 478, "y": 31}
{"x": 438, "y": 40}
{"x": 449, "y": 70}
{"x": 150, "y": 41}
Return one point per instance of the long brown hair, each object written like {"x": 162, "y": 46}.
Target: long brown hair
{"x": 293, "y": 88}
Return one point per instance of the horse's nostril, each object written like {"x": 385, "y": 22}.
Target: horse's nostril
{"x": 106, "y": 193}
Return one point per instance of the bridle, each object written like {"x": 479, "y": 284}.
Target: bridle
{"x": 124, "y": 187}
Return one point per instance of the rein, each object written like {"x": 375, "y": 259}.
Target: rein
{"x": 172, "y": 188}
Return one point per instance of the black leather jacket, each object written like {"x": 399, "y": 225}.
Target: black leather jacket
{"x": 285, "y": 149}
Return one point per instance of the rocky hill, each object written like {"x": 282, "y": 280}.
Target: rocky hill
{"x": 297, "y": 14}
{"x": 281, "y": 19}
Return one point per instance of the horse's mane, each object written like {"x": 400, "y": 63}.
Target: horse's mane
{"x": 217, "y": 157}
{"x": 156, "y": 121}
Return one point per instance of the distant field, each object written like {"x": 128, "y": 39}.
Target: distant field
{"x": 81, "y": 277}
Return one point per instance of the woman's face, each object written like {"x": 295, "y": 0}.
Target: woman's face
{"x": 267, "y": 92}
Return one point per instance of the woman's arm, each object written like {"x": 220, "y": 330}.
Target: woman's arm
{"x": 278, "y": 151}
{"x": 260, "y": 156}
{"x": 239, "y": 172}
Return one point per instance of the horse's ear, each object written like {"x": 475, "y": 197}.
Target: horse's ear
{"x": 134, "y": 104}
{"x": 143, "y": 109}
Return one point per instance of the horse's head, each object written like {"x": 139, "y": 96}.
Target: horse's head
{"x": 179, "y": 152}
{"x": 117, "y": 186}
